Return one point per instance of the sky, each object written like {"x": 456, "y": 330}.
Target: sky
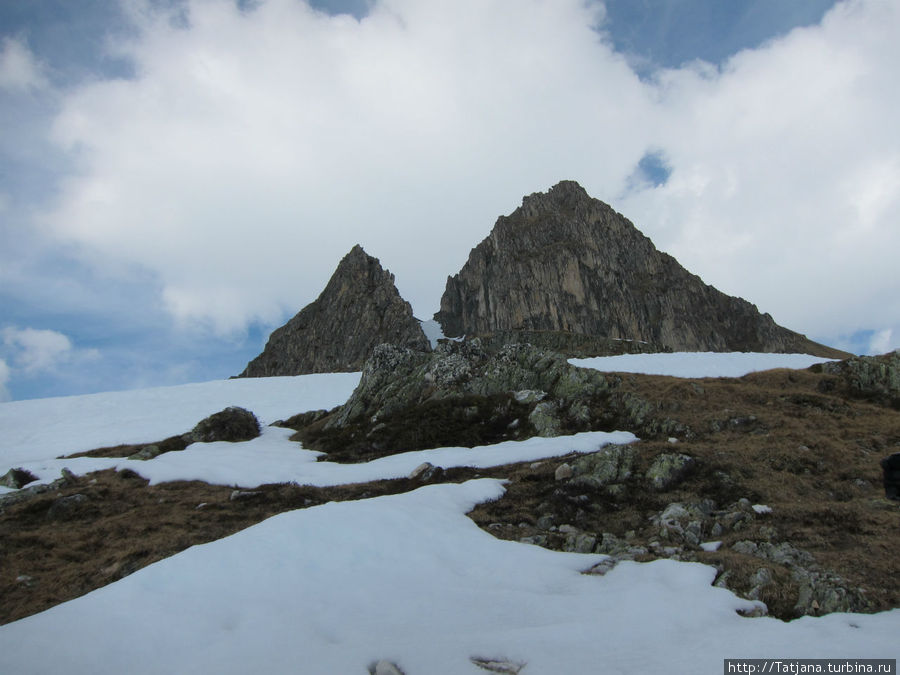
{"x": 179, "y": 177}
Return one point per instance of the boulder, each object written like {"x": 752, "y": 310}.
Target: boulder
{"x": 231, "y": 424}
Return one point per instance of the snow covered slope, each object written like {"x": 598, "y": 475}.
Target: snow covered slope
{"x": 408, "y": 577}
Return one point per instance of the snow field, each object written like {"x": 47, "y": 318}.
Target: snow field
{"x": 410, "y": 578}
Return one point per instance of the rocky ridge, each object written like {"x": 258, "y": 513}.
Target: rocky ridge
{"x": 359, "y": 308}
{"x": 566, "y": 262}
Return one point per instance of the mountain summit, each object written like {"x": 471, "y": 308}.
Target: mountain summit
{"x": 566, "y": 262}
{"x": 359, "y": 309}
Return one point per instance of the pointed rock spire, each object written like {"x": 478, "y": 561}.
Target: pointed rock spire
{"x": 566, "y": 262}
{"x": 359, "y": 308}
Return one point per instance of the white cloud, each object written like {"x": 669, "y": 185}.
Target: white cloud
{"x": 254, "y": 148}
{"x": 785, "y": 186}
{"x": 883, "y": 342}
{"x": 19, "y": 70}
{"x": 36, "y": 351}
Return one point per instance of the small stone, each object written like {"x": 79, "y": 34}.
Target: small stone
{"x": 498, "y": 665}
{"x": 147, "y": 452}
{"x": 746, "y": 547}
{"x": 420, "y": 470}
{"x": 669, "y": 469}
{"x": 758, "y": 610}
{"x": 530, "y": 396}
{"x": 244, "y": 495}
{"x": 563, "y": 472}
{"x": 603, "y": 566}
{"x": 545, "y": 522}
{"x": 762, "y": 578}
{"x": 584, "y": 543}
{"x": 535, "y": 539}
{"x": 385, "y": 667}
{"x": 768, "y": 532}
{"x": 17, "y": 478}
{"x": 545, "y": 419}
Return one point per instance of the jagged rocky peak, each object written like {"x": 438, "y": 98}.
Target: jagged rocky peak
{"x": 359, "y": 309}
{"x": 569, "y": 263}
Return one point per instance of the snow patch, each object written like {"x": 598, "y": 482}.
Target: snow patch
{"x": 698, "y": 364}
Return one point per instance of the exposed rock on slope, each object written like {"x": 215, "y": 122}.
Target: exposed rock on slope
{"x": 462, "y": 394}
{"x": 359, "y": 309}
{"x": 566, "y": 262}
{"x": 876, "y": 378}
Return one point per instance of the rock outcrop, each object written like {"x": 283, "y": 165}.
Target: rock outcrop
{"x": 359, "y": 309}
{"x": 462, "y": 394}
{"x": 566, "y": 262}
{"x": 874, "y": 378}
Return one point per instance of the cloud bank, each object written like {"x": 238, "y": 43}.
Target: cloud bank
{"x": 253, "y": 147}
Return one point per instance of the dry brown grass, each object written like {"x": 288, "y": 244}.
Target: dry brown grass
{"x": 787, "y": 439}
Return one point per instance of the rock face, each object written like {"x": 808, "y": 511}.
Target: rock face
{"x": 359, "y": 309}
{"x": 566, "y": 262}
